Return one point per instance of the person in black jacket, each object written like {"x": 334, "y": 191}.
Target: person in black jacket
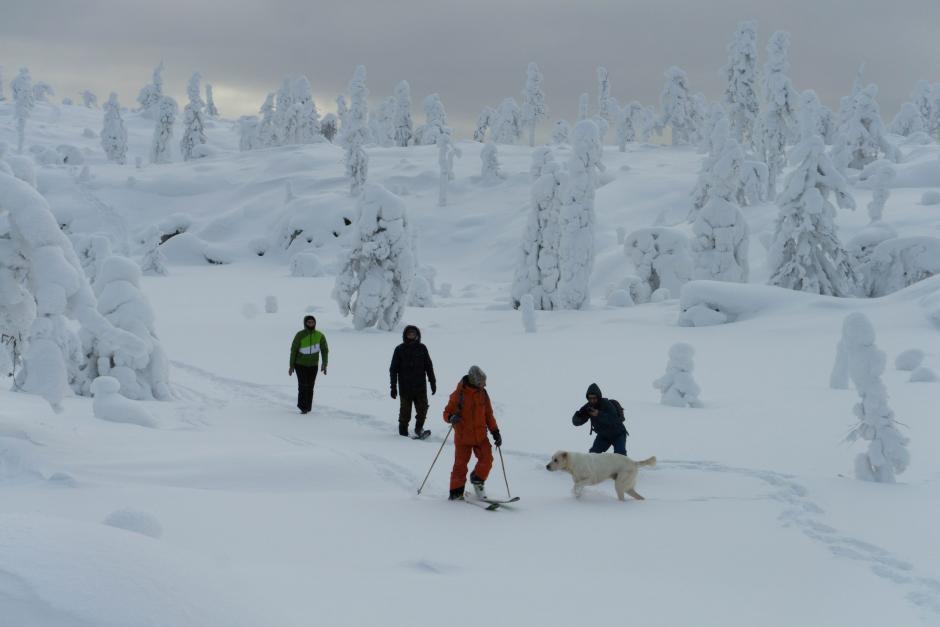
{"x": 605, "y": 422}
{"x": 411, "y": 364}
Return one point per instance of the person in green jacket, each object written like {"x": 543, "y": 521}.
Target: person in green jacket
{"x": 305, "y": 353}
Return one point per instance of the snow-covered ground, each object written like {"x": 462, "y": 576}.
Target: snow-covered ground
{"x": 237, "y": 510}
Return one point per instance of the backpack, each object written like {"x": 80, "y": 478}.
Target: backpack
{"x": 619, "y": 408}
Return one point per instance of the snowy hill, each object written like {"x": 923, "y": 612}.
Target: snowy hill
{"x": 235, "y": 509}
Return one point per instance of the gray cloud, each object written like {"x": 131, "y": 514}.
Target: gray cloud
{"x": 472, "y": 53}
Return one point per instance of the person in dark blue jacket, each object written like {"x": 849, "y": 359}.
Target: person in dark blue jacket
{"x": 606, "y": 422}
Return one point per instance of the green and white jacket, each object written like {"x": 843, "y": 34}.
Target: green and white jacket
{"x": 307, "y": 347}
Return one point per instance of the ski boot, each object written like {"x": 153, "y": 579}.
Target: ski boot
{"x": 456, "y": 494}
{"x": 477, "y": 484}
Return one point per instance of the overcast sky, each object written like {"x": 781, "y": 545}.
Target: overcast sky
{"x": 473, "y": 53}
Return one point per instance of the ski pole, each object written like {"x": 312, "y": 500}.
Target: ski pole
{"x": 503, "y": 464}
{"x": 435, "y": 459}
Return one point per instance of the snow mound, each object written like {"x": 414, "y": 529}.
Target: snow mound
{"x": 923, "y": 375}
{"x": 306, "y": 265}
{"x": 930, "y": 197}
{"x": 909, "y": 360}
{"x": 901, "y": 261}
{"x": 706, "y": 303}
{"x": 109, "y": 405}
{"x": 136, "y": 521}
{"x": 74, "y": 574}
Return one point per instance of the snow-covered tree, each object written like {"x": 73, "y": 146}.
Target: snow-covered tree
{"x": 775, "y": 127}
{"x": 124, "y": 305}
{"x": 806, "y": 253}
{"x": 887, "y": 453}
{"x": 628, "y": 117}
{"x": 678, "y": 387}
{"x": 741, "y": 76}
{"x": 163, "y": 130}
{"x": 113, "y": 132}
{"x": 908, "y": 121}
{"x": 377, "y": 272}
{"x": 248, "y": 129}
{"x": 560, "y": 132}
{"x": 721, "y": 235}
{"x": 435, "y": 121}
{"x": 815, "y": 118}
{"x": 661, "y": 258}
{"x": 89, "y": 99}
{"x": 489, "y": 168}
{"x": 355, "y": 131}
{"x": 154, "y": 261}
{"x": 342, "y": 109}
{"x": 151, "y": 94}
{"x": 304, "y": 119}
{"x": 283, "y": 113}
{"x": 533, "y": 101}
{"x": 576, "y": 248}
{"x": 382, "y": 123}
{"x": 484, "y": 121}
{"x": 537, "y": 271}
{"x": 898, "y": 262}
{"x": 925, "y": 100}
{"x": 267, "y": 130}
{"x": 211, "y": 109}
{"x": 43, "y": 91}
{"x": 507, "y": 125}
{"x": 194, "y": 122}
{"x": 879, "y": 174}
{"x": 862, "y": 136}
{"x": 605, "y": 110}
{"x": 404, "y": 128}
{"x": 446, "y": 152}
{"x": 751, "y": 179}
{"x": 23, "y": 103}
{"x": 329, "y": 126}
{"x": 677, "y": 106}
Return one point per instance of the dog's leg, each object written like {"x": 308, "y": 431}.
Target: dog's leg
{"x": 620, "y": 493}
{"x": 635, "y": 495}
{"x": 578, "y": 489}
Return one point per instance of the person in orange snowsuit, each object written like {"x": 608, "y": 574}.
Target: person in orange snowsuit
{"x": 470, "y": 413}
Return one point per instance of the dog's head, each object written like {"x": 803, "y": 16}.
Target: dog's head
{"x": 559, "y": 461}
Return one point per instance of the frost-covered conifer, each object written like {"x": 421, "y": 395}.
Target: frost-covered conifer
{"x": 862, "y": 136}
{"x": 661, "y": 258}
{"x": 446, "y": 152}
{"x": 776, "y": 124}
{"x": 533, "y": 101}
{"x": 560, "y": 132}
{"x": 924, "y": 98}
{"x": 750, "y": 183}
{"x": 677, "y": 106}
{"x": 576, "y": 248}
{"x": 435, "y": 121}
{"x": 113, "y": 132}
{"x": 23, "y": 103}
{"x": 815, "y": 118}
{"x": 678, "y": 387}
{"x": 342, "y": 109}
{"x": 484, "y": 121}
{"x": 154, "y": 261}
{"x": 404, "y": 128}
{"x": 507, "y": 125}
{"x": 89, "y": 100}
{"x": 383, "y": 123}
{"x": 163, "y": 130}
{"x": 248, "y": 132}
{"x": 283, "y": 113}
{"x": 626, "y": 132}
{"x": 887, "y": 453}
{"x": 329, "y": 126}
{"x": 304, "y": 119}
{"x": 741, "y": 76}
{"x": 489, "y": 169}
{"x": 267, "y": 131}
{"x": 124, "y": 305}
{"x": 605, "y": 110}
{"x": 151, "y": 94}
{"x": 43, "y": 91}
{"x": 355, "y": 131}
{"x": 375, "y": 280}
{"x": 806, "y": 253}
{"x": 908, "y": 121}
{"x": 646, "y": 122}
{"x": 194, "y": 122}
{"x": 880, "y": 174}
{"x": 537, "y": 271}
{"x": 211, "y": 109}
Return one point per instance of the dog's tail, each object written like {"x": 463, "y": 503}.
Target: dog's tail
{"x": 651, "y": 461}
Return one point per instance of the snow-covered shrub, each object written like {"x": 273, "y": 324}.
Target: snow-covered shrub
{"x": 23, "y": 103}
{"x": 862, "y": 136}
{"x": 124, "y": 305}
{"x": 446, "y": 152}
{"x": 887, "y": 449}
{"x": 806, "y": 253}
{"x": 154, "y": 261}
{"x": 560, "y": 132}
{"x": 863, "y": 244}
{"x": 879, "y": 174}
{"x": 421, "y": 293}
{"x": 89, "y": 99}
{"x": 484, "y": 121}
{"x": 901, "y": 261}
{"x": 489, "y": 169}
{"x": 109, "y": 405}
{"x": 527, "y": 307}
{"x": 507, "y": 124}
{"x": 194, "y": 122}
{"x": 114, "y": 133}
{"x": 42, "y": 91}
{"x": 908, "y": 121}
{"x": 70, "y": 155}
{"x": 135, "y": 521}
{"x": 576, "y": 244}
{"x": 165, "y": 113}
{"x": 270, "y": 304}
{"x": 930, "y": 197}
{"x": 435, "y": 121}
{"x": 678, "y": 387}
{"x": 909, "y": 360}
{"x": 660, "y": 295}
{"x": 329, "y": 126}
{"x": 677, "y": 107}
{"x": 533, "y": 101}
{"x": 661, "y": 258}
{"x": 211, "y": 110}
{"x": 619, "y": 298}
{"x": 306, "y": 265}
{"x": 923, "y": 374}
{"x": 375, "y": 279}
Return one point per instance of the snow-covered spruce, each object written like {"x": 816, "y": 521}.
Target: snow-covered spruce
{"x": 382, "y": 123}
{"x": 607, "y": 107}
{"x": 42, "y": 264}
{"x": 576, "y": 244}
{"x": 165, "y": 113}
{"x": 151, "y": 94}
{"x": 740, "y": 73}
{"x": 108, "y": 404}
{"x": 879, "y": 174}
{"x": 154, "y": 261}
{"x": 248, "y": 132}
{"x": 537, "y": 270}
{"x": 527, "y": 308}
{"x": 355, "y": 132}
{"x": 435, "y": 121}
{"x": 909, "y": 360}
{"x": 211, "y": 110}
{"x": 677, "y": 386}
{"x": 113, "y": 132}
{"x": 376, "y": 275}
{"x": 489, "y": 166}
{"x": 404, "y": 128}
{"x": 862, "y": 138}
{"x": 677, "y": 107}
{"x": 89, "y": 99}
{"x": 194, "y": 122}
{"x": 806, "y": 253}
{"x": 507, "y": 123}
{"x": 748, "y": 187}
{"x": 447, "y": 151}
{"x": 124, "y": 305}
{"x": 302, "y": 120}
{"x": 533, "y": 101}
{"x": 887, "y": 453}
{"x": 815, "y": 118}
{"x": 661, "y": 258}
{"x": 560, "y": 132}
{"x": 329, "y": 126}
{"x": 484, "y": 120}
{"x": 907, "y": 121}
{"x": 23, "y": 103}
{"x": 777, "y": 123}
{"x": 627, "y": 123}
{"x": 267, "y": 129}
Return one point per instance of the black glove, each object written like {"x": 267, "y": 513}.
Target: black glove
{"x": 497, "y": 438}
{"x": 453, "y": 419}
{"x": 394, "y": 393}
{"x": 433, "y": 388}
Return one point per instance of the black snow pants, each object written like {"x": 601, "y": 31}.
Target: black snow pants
{"x": 306, "y": 378}
{"x": 420, "y": 402}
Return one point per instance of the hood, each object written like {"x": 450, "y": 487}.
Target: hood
{"x": 593, "y": 389}
{"x": 405, "y": 331}
{"x": 310, "y": 318}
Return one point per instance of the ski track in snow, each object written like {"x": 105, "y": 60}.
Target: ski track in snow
{"x": 799, "y": 511}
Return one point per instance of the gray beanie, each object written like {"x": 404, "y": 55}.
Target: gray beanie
{"x": 476, "y": 376}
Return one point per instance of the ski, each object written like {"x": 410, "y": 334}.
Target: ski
{"x": 472, "y": 500}
{"x": 501, "y": 501}
{"x": 424, "y": 435}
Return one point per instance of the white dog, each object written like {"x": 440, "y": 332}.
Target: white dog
{"x": 593, "y": 468}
